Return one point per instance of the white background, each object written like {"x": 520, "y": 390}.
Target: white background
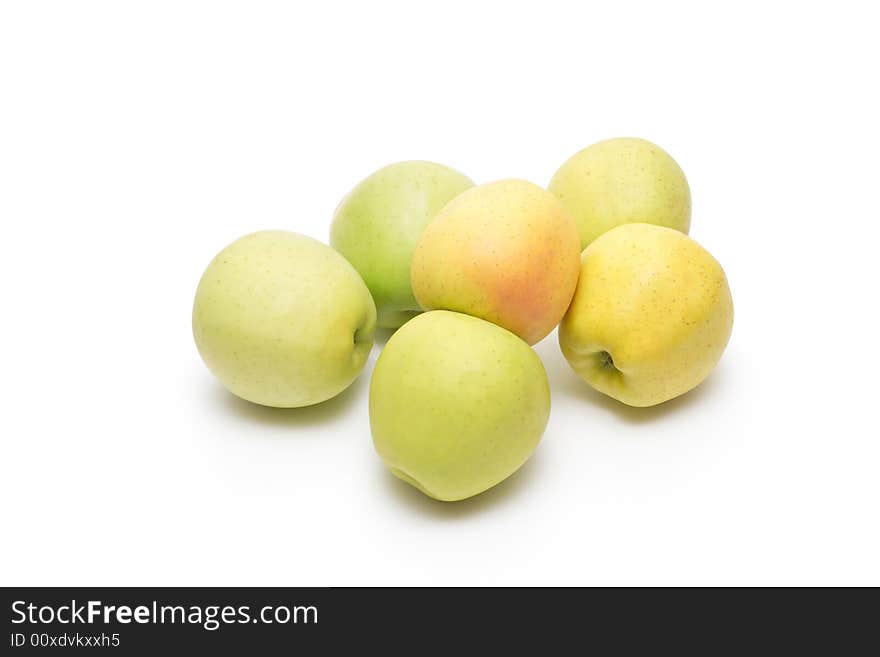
{"x": 138, "y": 139}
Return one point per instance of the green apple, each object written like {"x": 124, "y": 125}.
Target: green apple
{"x": 283, "y": 320}
{"x": 621, "y": 181}
{"x": 457, "y": 404}
{"x": 377, "y": 225}
{"x": 651, "y": 315}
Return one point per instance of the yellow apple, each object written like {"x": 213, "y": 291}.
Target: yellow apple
{"x": 620, "y": 181}
{"x": 651, "y": 315}
{"x": 507, "y": 252}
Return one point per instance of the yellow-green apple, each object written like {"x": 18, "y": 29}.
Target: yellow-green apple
{"x": 377, "y": 225}
{"x": 622, "y": 181}
{"x": 651, "y": 316}
{"x": 457, "y": 404}
{"x": 283, "y": 320}
{"x": 507, "y": 252}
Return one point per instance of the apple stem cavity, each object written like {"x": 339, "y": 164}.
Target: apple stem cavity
{"x": 606, "y": 361}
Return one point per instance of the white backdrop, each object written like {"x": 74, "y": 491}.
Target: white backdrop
{"x": 138, "y": 139}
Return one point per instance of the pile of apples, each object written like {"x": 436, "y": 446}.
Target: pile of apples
{"x": 469, "y": 277}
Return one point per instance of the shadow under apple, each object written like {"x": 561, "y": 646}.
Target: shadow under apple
{"x": 305, "y": 416}
{"x": 564, "y": 381}
{"x": 574, "y": 386}
{"x": 382, "y": 336}
{"x": 500, "y": 494}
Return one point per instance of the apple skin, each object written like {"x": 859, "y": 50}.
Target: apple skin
{"x": 457, "y": 404}
{"x": 507, "y": 252}
{"x": 283, "y": 320}
{"x": 378, "y": 224}
{"x": 620, "y": 181}
{"x": 651, "y": 316}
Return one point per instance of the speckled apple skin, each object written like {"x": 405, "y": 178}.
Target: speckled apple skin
{"x": 283, "y": 320}
{"x": 457, "y": 404}
{"x": 651, "y": 316}
{"x": 620, "y": 181}
{"x": 378, "y": 224}
{"x": 507, "y": 252}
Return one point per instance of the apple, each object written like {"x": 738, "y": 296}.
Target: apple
{"x": 620, "y": 181}
{"x": 507, "y": 252}
{"x": 377, "y": 225}
{"x": 651, "y": 316}
{"x": 457, "y": 404}
{"x": 283, "y": 320}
